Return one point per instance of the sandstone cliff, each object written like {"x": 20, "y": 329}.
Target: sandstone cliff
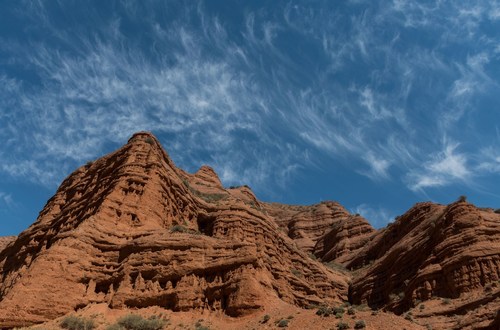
{"x": 5, "y": 240}
{"x": 132, "y": 230}
{"x": 434, "y": 252}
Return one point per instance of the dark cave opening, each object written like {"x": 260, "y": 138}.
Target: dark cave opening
{"x": 206, "y": 224}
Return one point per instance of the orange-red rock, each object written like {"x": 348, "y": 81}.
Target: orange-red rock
{"x": 5, "y": 240}
{"x": 133, "y": 231}
{"x": 449, "y": 253}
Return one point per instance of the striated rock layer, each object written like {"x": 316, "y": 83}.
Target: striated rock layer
{"x": 5, "y": 240}
{"x": 326, "y": 230}
{"x": 132, "y": 230}
{"x": 451, "y": 252}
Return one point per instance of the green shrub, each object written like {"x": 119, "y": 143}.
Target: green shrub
{"x": 77, "y": 323}
{"x": 351, "y": 311}
{"x": 115, "y": 327}
{"x": 497, "y": 211}
{"x": 336, "y": 266}
{"x": 446, "y": 301}
{"x": 422, "y": 306}
{"x": 296, "y": 272}
{"x": 283, "y": 323}
{"x": 338, "y": 310}
{"x": 462, "y": 198}
{"x": 266, "y": 318}
{"x": 199, "y": 326}
{"x": 178, "y": 229}
{"x": 324, "y": 311}
{"x": 360, "y": 324}
{"x": 338, "y": 315}
{"x": 342, "y": 326}
{"x": 136, "y": 322}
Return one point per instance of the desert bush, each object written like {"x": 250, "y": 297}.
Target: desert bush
{"x": 136, "y": 322}
{"x": 351, "y": 311}
{"x": 446, "y": 301}
{"x": 360, "y": 324}
{"x": 178, "y": 229}
{"x": 336, "y": 266}
{"x": 266, "y": 318}
{"x": 114, "y": 327}
{"x": 497, "y": 211}
{"x": 462, "y": 198}
{"x": 324, "y": 311}
{"x": 339, "y": 310}
{"x": 283, "y": 323}
{"x": 199, "y": 326}
{"x": 342, "y": 326}
{"x": 362, "y": 307}
{"x": 296, "y": 272}
{"x": 77, "y": 323}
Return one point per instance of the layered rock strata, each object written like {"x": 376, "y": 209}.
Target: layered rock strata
{"x": 132, "y": 230}
{"x": 433, "y": 251}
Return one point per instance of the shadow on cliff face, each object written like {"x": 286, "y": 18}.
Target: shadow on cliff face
{"x": 206, "y": 224}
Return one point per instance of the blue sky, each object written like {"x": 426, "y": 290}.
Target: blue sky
{"x": 375, "y": 104}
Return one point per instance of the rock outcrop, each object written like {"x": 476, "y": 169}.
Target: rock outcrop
{"x": 434, "y": 251}
{"x": 326, "y": 230}
{"x": 132, "y": 230}
{"x": 5, "y": 240}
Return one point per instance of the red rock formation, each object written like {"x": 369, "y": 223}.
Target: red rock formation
{"x": 432, "y": 251}
{"x": 326, "y": 230}
{"x": 5, "y": 240}
{"x": 132, "y": 230}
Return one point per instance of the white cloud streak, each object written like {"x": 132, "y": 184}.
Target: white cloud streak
{"x": 443, "y": 168}
{"x": 6, "y": 200}
{"x": 250, "y": 107}
{"x": 378, "y": 216}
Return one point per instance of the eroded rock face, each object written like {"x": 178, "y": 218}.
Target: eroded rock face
{"x": 326, "y": 230}
{"x": 433, "y": 251}
{"x": 132, "y": 230}
{"x": 5, "y": 240}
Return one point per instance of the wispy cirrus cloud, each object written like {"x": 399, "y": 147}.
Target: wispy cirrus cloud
{"x": 378, "y": 216}
{"x": 6, "y": 200}
{"x": 260, "y": 96}
{"x": 442, "y": 168}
